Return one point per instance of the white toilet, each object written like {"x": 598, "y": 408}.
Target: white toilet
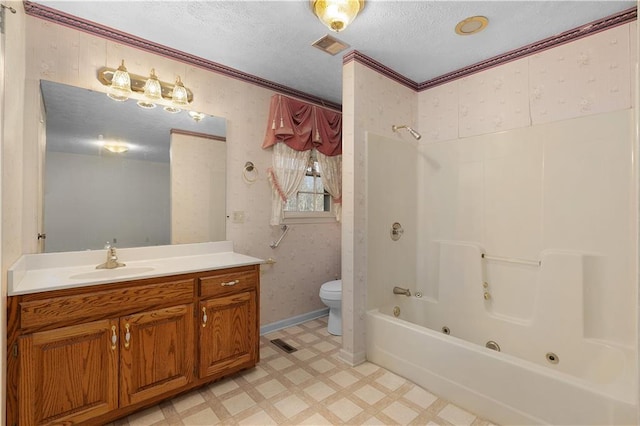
{"x": 331, "y": 295}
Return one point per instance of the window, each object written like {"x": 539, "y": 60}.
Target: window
{"x": 311, "y": 203}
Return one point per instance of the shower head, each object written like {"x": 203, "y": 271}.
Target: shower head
{"x": 409, "y": 129}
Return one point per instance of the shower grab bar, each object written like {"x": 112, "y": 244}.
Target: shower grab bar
{"x": 513, "y": 260}
{"x": 276, "y": 243}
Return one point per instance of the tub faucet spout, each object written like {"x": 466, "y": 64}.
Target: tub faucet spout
{"x": 400, "y": 290}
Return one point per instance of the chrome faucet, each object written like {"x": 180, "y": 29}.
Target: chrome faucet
{"x": 112, "y": 259}
{"x": 400, "y": 290}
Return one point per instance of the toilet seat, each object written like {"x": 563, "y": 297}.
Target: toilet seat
{"x": 331, "y": 290}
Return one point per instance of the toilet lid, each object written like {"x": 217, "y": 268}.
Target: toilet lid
{"x": 332, "y": 287}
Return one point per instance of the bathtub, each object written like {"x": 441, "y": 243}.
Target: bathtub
{"x": 500, "y": 386}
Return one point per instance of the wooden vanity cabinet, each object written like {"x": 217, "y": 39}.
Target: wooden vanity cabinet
{"x": 93, "y": 354}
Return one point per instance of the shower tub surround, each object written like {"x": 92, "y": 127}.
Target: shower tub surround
{"x": 553, "y": 208}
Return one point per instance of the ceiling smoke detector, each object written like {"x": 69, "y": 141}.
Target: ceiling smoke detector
{"x": 330, "y": 45}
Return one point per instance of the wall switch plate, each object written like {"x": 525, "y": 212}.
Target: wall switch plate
{"x": 238, "y": 217}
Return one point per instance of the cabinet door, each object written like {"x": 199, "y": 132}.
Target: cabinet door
{"x": 228, "y": 333}
{"x": 156, "y": 353}
{"x": 69, "y": 374}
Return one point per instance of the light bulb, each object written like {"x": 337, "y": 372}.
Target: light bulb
{"x": 152, "y": 91}
{"x": 337, "y": 14}
{"x": 179, "y": 97}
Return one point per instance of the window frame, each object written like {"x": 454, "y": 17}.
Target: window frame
{"x": 298, "y": 217}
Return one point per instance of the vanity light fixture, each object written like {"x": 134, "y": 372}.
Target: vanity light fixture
{"x": 120, "y": 84}
{"x": 152, "y": 92}
{"x": 336, "y": 14}
{"x": 123, "y": 85}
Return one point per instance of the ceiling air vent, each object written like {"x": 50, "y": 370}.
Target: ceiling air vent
{"x": 330, "y": 45}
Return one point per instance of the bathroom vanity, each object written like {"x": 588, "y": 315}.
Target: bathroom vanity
{"x": 99, "y": 347}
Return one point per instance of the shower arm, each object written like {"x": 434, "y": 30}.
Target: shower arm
{"x": 415, "y": 134}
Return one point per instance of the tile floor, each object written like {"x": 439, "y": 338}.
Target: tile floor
{"x": 308, "y": 387}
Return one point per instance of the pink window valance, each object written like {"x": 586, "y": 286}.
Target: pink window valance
{"x": 303, "y": 126}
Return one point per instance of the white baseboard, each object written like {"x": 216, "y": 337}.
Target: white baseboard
{"x": 288, "y": 322}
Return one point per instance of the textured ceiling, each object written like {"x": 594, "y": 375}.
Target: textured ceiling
{"x": 272, "y": 39}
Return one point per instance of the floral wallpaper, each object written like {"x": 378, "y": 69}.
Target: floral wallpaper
{"x": 307, "y": 257}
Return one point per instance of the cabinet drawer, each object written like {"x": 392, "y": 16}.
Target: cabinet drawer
{"x": 100, "y": 304}
{"x": 240, "y": 279}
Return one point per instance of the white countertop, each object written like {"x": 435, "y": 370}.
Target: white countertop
{"x": 34, "y": 273}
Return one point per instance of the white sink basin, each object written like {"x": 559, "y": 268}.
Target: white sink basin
{"x": 112, "y": 273}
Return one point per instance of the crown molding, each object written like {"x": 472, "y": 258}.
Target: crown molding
{"x": 606, "y": 23}
{"x": 365, "y": 60}
{"x": 49, "y": 14}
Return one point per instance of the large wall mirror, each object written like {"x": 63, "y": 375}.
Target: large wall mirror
{"x": 166, "y": 187}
